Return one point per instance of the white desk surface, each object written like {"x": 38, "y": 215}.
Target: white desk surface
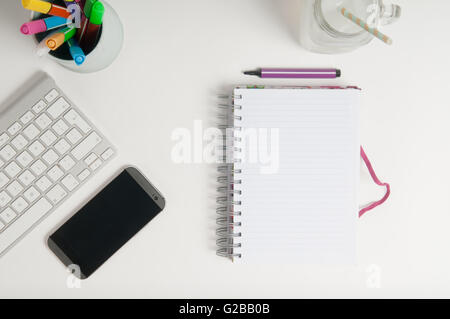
{"x": 177, "y": 55}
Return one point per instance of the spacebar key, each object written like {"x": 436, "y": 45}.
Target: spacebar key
{"x": 23, "y": 223}
{"x": 86, "y": 146}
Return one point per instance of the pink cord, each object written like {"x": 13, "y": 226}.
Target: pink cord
{"x": 377, "y": 181}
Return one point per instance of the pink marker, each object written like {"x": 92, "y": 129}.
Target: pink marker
{"x": 43, "y": 25}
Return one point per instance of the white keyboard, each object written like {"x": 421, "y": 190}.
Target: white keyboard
{"x": 47, "y": 150}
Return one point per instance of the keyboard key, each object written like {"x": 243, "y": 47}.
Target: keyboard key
{"x": 96, "y": 164}
{"x": 7, "y": 153}
{"x": 84, "y": 174}
{"x": 31, "y": 131}
{"x": 62, "y": 146}
{"x": 19, "y": 205}
{"x": 86, "y": 146}
{"x": 74, "y": 136}
{"x": 19, "y": 142}
{"x": 73, "y": 118}
{"x": 51, "y": 96}
{"x": 3, "y": 139}
{"x": 90, "y": 159}
{"x": 56, "y": 194}
{"x": 31, "y": 194}
{"x": 107, "y": 154}
{"x": 58, "y": 108}
{"x": 14, "y": 188}
{"x": 48, "y": 138}
{"x": 12, "y": 169}
{"x": 3, "y": 179}
{"x": 67, "y": 162}
{"x": 43, "y": 121}
{"x": 27, "y": 117}
{"x": 36, "y": 148}
{"x": 43, "y": 183}
{"x": 8, "y": 215}
{"x": 1, "y": 226}
{"x": 30, "y": 217}
{"x": 27, "y": 178}
{"x": 70, "y": 182}
{"x": 39, "y": 107}
{"x": 38, "y": 167}
{"x": 4, "y": 199}
{"x": 24, "y": 159}
{"x": 14, "y": 129}
{"x": 50, "y": 157}
{"x": 60, "y": 127}
{"x": 55, "y": 173}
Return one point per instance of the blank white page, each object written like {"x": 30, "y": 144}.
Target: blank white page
{"x": 305, "y": 210}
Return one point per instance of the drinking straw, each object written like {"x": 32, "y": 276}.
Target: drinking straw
{"x": 374, "y": 31}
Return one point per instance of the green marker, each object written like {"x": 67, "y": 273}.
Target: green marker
{"x": 97, "y": 13}
{"x": 92, "y": 33}
{"x": 85, "y": 19}
{"x": 88, "y": 7}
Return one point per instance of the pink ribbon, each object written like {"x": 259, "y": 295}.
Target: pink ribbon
{"x": 377, "y": 181}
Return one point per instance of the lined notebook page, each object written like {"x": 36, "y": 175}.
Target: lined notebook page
{"x": 303, "y": 208}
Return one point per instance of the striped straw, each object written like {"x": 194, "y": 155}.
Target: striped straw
{"x": 375, "y": 32}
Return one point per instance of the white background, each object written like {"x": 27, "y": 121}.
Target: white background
{"x": 177, "y": 56}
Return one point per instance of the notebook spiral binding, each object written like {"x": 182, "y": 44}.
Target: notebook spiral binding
{"x": 228, "y": 233}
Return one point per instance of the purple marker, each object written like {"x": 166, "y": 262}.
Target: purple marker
{"x": 296, "y": 73}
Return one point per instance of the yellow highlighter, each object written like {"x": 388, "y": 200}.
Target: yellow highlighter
{"x": 58, "y": 38}
{"x": 46, "y": 8}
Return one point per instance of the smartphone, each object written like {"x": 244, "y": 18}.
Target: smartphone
{"x": 108, "y": 221}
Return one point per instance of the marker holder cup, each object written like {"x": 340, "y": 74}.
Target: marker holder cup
{"x": 103, "y": 54}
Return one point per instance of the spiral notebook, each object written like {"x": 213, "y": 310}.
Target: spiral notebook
{"x": 289, "y": 190}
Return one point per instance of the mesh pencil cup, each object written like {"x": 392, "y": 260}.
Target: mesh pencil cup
{"x": 102, "y": 55}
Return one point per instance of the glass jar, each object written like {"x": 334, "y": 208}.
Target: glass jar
{"x": 323, "y": 29}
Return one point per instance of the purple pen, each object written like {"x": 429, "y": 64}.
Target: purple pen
{"x": 296, "y": 73}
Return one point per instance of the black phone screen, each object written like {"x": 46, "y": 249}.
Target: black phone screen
{"x": 107, "y": 222}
